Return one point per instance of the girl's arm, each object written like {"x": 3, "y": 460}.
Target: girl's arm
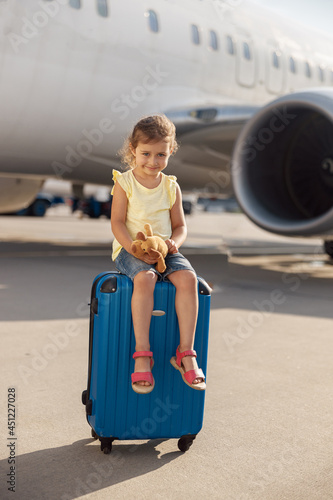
{"x": 178, "y": 224}
{"x": 118, "y": 217}
{"x": 118, "y": 225}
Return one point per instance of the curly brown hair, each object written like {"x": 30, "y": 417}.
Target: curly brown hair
{"x": 149, "y": 129}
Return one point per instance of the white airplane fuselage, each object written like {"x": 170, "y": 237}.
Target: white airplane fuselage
{"x": 73, "y": 82}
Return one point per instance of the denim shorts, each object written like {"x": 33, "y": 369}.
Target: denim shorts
{"x": 131, "y": 266}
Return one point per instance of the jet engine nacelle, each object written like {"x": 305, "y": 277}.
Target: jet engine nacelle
{"x": 282, "y": 166}
{"x": 17, "y": 193}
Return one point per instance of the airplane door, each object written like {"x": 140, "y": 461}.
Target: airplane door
{"x": 275, "y": 70}
{"x": 246, "y": 64}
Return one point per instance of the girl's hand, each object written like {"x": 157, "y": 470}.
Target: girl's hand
{"x": 172, "y": 247}
{"x": 145, "y": 258}
{"x": 149, "y": 260}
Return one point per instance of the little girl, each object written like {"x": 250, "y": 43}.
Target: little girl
{"x": 145, "y": 194}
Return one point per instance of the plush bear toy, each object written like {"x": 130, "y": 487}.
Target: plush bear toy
{"x": 151, "y": 245}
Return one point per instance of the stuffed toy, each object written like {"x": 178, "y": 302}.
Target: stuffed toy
{"x": 151, "y": 245}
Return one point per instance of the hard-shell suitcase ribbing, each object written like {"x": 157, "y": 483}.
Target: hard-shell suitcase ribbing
{"x": 114, "y": 410}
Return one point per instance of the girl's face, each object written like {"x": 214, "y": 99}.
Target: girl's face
{"x": 152, "y": 157}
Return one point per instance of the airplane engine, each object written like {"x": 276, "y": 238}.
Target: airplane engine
{"x": 17, "y": 193}
{"x": 282, "y": 166}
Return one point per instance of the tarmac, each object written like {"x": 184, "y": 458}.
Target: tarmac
{"x": 267, "y": 432}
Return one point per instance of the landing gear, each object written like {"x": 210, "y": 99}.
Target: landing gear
{"x": 328, "y": 247}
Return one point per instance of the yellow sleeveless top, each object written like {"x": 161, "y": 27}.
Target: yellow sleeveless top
{"x": 146, "y": 205}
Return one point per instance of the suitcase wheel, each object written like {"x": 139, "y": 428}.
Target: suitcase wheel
{"x": 93, "y": 434}
{"x": 185, "y": 442}
{"x": 106, "y": 445}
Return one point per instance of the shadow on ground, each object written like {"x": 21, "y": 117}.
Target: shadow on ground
{"x": 72, "y": 471}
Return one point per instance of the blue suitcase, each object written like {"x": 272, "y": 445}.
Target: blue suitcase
{"x": 114, "y": 410}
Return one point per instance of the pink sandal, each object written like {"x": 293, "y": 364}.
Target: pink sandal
{"x": 143, "y": 376}
{"x": 190, "y": 375}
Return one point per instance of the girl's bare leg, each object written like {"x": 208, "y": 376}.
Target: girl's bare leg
{"x": 187, "y": 313}
{"x": 142, "y": 308}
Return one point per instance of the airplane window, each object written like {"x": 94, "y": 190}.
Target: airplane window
{"x": 246, "y": 51}
{"x": 76, "y": 4}
{"x": 292, "y": 65}
{"x": 195, "y": 34}
{"x": 230, "y": 45}
{"x": 276, "y": 60}
{"x": 213, "y": 41}
{"x": 152, "y": 20}
{"x": 307, "y": 70}
{"x": 321, "y": 74}
{"x": 102, "y": 8}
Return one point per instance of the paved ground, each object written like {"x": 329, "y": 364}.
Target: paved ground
{"x": 268, "y": 424}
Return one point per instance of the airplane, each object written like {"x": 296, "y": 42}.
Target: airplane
{"x": 250, "y": 93}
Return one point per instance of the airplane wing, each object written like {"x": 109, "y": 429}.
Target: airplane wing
{"x": 207, "y": 136}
